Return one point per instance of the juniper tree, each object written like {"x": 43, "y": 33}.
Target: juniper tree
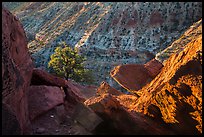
{"x": 67, "y": 63}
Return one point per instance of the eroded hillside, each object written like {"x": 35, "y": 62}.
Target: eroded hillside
{"x": 107, "y": 33}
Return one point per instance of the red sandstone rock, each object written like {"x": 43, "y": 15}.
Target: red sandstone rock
{"x": 43, "y": 98}
{"x": 10, "y": 124}
{"x": 120, "y": 120}
{"x": 153, "y": 67}
{"x": 134, "y": 76}
{"x": 77, "y": 91}
{"x": 41, "y": 77}
{"x": 177, "y": 91}
{"x": 16, "y": 70}
{"x": 73, "y": 93}
{"x": 106, "y": 88}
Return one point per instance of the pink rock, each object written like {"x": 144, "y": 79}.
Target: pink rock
{"x": 16, "y": 70}
{"x": 41, "y": 77}
{"x": 43, "y": 98}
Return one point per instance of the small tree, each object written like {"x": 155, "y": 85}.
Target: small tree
{"x": 67, "y": 63}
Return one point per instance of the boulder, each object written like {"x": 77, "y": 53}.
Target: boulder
{"x": 106, "y": 88}
{"x": 16, "y": 71}
{"x": 73, "y": 94}
{"x": 118, "y": 120}
{"x": 43, "y": 98}
{"x": 41, "y": 77}
{"x": 134, "y": 76}
{"x": 74, "y": 91}
{"x": 86, "y": 117}
{"x": 10, "y": 124}
{"x": 131, "y": 76}
{"x": 153, "y": 67}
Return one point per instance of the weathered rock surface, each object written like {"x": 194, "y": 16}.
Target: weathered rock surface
{"x": 71, "y": 89}
{"x": 153, "y": 67}
{"x": 134, "y": 76}
{"x": 176, "y": 91}
{"x": 41, "y": 77}
{"x": 16, "y": 73}
{"x": 86, "y": 117}
{"x": 170, "y": 104}
{"x": 118, "y": 120}
{"x": 114, "y": 33}
{"x": 106, "y": 88}
{"x": 188, "y": 36}
{"x": 10, "y": 123}
{"x": 131, "y": 76}
{"x": 43, "y": 98}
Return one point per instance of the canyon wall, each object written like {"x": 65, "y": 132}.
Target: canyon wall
{"x": 107, "y": 33}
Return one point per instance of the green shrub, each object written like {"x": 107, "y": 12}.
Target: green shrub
{"x": 67, "y": 63}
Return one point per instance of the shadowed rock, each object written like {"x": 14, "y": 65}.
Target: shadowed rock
{"x": 16, "y": 71}
{"x": 43, "y": 98}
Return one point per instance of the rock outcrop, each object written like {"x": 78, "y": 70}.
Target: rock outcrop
{"x": 74, "y": 91}
{"x": 43, "y": 98}
{"x": 166, "y": 99}
{"x": 16, "y": 73}
{"x": 193, "y": 31}
{"x": 153, "y": 67}
{"x": 177, "y": 90}
{"x": 118, "y": 120}
{"x": 10, "y": 123}
{"x": 172, "y": 99}
{"x": 134, "y": 76}
{"x": 106, "y": 88}
{"x": 41, "y": 77}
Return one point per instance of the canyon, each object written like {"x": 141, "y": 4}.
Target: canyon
{"x": 106, "y": 33}
{"x": 164, "y": 90}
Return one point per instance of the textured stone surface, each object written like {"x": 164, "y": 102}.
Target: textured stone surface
{"x": 131, "y": 76}
{"x": 41, "y": 77}
{"x": 177, "y": 46}
{"x": 10, "y": 124}
{"x": 176, "y": 91}
{"x": 118, "y": 120}
{"x": 107, "y": 33}
{"x": 43, "y": 98}
{"x": 86, "y": 117}
{"x": 16, "y": 69}
{"x": 134, "y": 76}
{"x": 153, "y": 67}
{"x": 74, "y": 92}
{"x": 106, "y": 88}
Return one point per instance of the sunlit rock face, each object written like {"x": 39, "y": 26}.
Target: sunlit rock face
{"x": 169, "y": 104}
{"x": 177, "y": 90}
{"x": 107, "y": 33}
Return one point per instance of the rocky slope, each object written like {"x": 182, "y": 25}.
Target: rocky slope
{"x": 178, "y": 45}
{"x": 169, "y": 104}
{"x": 107, "y": 33}
{"x": 174, "y": 97}
{"x": 177, "y": 91}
